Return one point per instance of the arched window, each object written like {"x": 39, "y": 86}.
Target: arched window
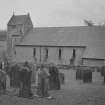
{"x": 60, "y": 53}
{"x": 74, "y": 53}
{"x": 46, "y": 53}
{"x": 15, "y": 51}
{"x": 34, "y": 52}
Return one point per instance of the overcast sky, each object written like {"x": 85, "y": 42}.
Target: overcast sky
{"x": 53, "y": 12}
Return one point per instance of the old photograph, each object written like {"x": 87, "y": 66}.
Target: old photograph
{"x": 52, "y": 52}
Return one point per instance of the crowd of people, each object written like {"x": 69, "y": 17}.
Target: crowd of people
{"x": 46, "y": 79}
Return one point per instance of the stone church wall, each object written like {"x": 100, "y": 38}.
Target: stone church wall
{"x": 26, "y": 53}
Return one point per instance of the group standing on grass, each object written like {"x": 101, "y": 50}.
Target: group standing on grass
{"x": 46, "y": 79}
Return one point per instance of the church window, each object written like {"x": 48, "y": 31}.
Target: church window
{"x": 12, "y": 42}
{"x": 21, "y": 31}
{"x": 15, "y": 51}
{"x": 46, "y": 53}
{"x": 60, "y": 53}
{"x": 74, "y": 53}
{"x": 34, "y": 52}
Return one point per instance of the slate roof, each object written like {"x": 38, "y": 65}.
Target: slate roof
{"x": 3, "y": 35}
{"x": 92, "y": 37}
{"x": 17, "y": 19}
{"x": 94, "y": 52}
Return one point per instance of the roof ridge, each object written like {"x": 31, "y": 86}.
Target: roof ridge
{"x": 68, "y": 26}
{"x": 18, "y": 19}
{"x": 20, "y": 15}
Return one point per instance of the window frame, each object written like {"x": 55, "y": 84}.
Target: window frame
{"x": 60, "y": 54}
{"x": 34, "y": 52}
{"x": 46, "y": 53}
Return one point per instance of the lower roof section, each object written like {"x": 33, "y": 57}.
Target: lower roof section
{"x": 93, "y": 58}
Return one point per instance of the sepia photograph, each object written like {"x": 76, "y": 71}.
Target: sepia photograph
{"x": 52, "y": 52}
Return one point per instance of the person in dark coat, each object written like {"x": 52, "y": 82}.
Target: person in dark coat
{"x": 25, "y": 82}
{"x": 54, "y": 78}
{"x": 1, "y": 65}
{"x": 57, "y": 81}
{"x": 2, "y": 80}
{"x": 104, "y": 79}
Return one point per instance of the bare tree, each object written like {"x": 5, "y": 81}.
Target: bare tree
{"x": 88, "y": 22}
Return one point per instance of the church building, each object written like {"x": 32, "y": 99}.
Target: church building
{"x": 74, "y": 45}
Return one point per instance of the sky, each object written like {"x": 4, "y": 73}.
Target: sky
{"x": 50, "y": 13}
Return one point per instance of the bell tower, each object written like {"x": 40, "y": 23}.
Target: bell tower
{"x": 17, "y": 28}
